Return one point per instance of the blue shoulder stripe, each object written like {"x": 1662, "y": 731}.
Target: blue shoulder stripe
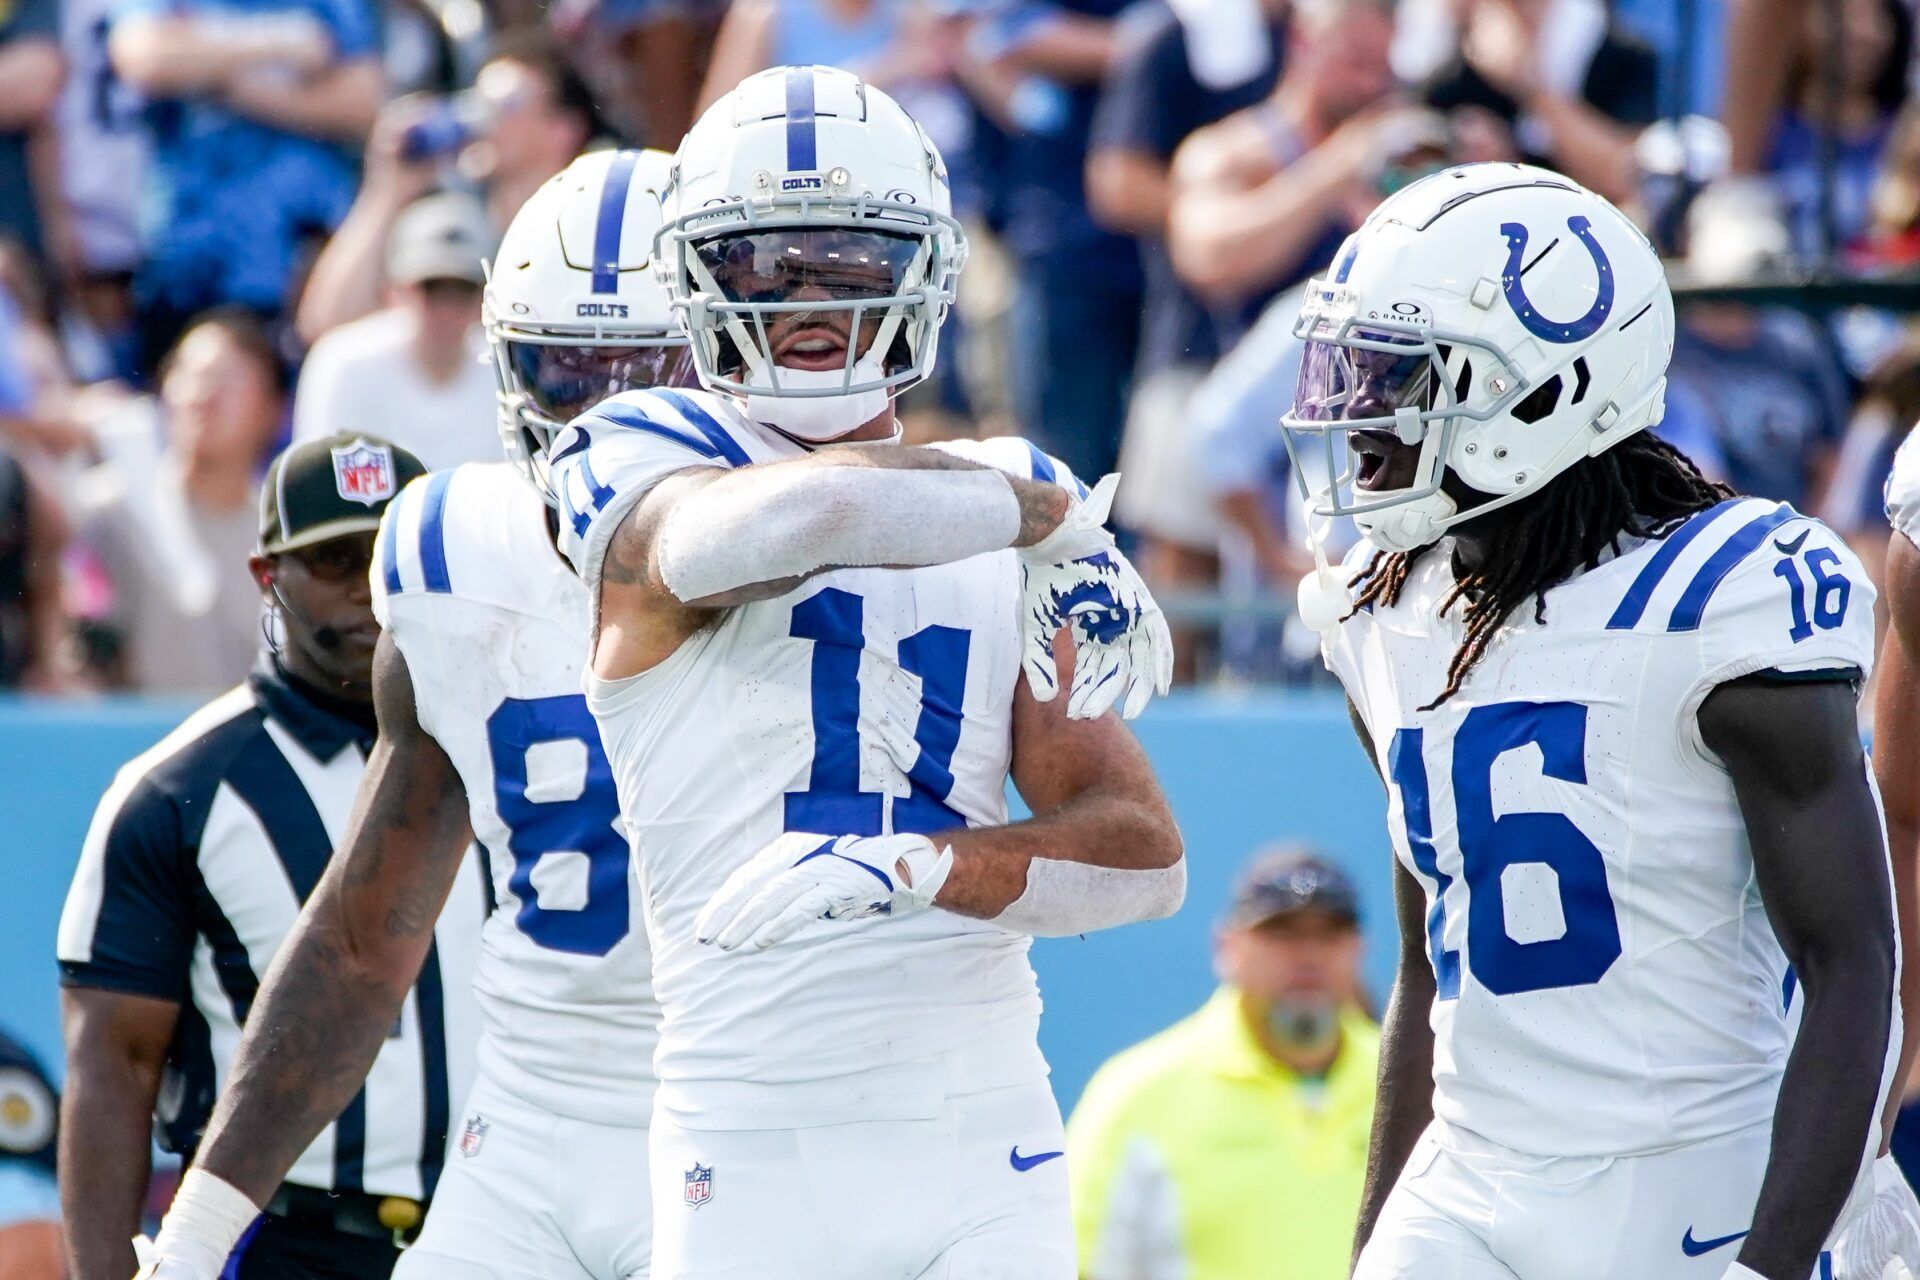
{"x": 433, "y": 533}
{"x": 1042, "y": 464}
{"x": 1693, "y": 601}
{"x": 1627, "y": 616}
{"x": 626, "y": 415}
{"x": 390, "y": 552}
{"x": 1047, "y": 469}
{"x": 724, "y": 445}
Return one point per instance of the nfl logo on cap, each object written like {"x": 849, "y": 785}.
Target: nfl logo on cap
{"x": 363, "y": 472}
{"x": 699, "y": 1185}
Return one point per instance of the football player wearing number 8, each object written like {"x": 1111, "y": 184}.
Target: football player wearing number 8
{"x": 483, "y": 729}
{"x": 820, "y": 656}
{"x": 1614, "y": 709}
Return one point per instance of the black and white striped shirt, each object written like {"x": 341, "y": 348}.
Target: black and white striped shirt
{"x": 199, "y": 857}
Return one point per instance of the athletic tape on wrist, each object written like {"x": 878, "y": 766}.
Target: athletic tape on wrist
{"x": 1065, "y": 898}
{"x": 205, "y": 1221}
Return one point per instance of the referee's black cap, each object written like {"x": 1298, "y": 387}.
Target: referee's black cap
{"x": 329, "y": 488}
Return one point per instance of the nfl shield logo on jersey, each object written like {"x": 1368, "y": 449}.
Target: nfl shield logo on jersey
{"x": 699, "y": 1185}
{"x": 363, "y": 472}
{"x": 473, "y": 1136}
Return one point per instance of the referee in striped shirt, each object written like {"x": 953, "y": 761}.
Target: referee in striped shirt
{"x": 196, "y": 865}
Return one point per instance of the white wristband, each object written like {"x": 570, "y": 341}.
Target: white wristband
{"x": 206, "y": 1220}
{"x": 1738, "y": 1272}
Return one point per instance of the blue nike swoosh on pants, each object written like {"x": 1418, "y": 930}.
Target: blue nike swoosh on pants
{"x": 1694, "y": 1248}
{"x": 1022, "y": 1163}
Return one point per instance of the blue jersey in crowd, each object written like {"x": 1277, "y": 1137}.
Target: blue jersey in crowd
{"x": 229, "y": 199}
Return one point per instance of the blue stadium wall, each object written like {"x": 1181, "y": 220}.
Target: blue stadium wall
{"x": 1239, "y": 771}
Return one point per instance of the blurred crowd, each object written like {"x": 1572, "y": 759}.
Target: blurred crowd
{"x": 225, "y": 223}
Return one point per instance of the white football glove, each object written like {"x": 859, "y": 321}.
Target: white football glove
{"x": 155, "y": 1267}
{"x": 1075, "y": 577}
{"x": 1882, "y": 1242}
{"x": 802, "y": 877}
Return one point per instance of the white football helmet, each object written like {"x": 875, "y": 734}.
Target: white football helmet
{"x": 573, "y": 310}
{"x": 1504, "y": 319}
{"x": 809, "y": 249}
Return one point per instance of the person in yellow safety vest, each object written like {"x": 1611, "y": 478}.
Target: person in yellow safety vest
{"x": 1232, "y": 1145}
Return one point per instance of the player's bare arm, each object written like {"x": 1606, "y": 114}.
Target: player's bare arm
{"x": 1101, "y": 848}
{"x": 1896, "y": 767}
{"x": 760, "y": 531}
{"x": 331, "y": 995}
{"x": 116, "y": 1054}
{"x": 1403, "y": 1106}
{"x": 1793, "y": 752}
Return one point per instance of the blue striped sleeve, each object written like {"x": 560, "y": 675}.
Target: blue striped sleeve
{"x": 708, "y": 439}
{"x": 1634, "y": 604}
{"x": 1693, "y": 601}
{"x": 433, "y": 533}
{"x": 722, "y": 443}
{"x": 390, "y": 545}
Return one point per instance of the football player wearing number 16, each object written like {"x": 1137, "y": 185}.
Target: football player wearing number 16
{"x": 807, "y": 673}
{"x": 483, "y": 727}
{"x": 1614, "y": 708}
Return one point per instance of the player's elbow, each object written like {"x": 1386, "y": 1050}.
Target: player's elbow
{"x": 1161, "y": 846}
{"x": 1851, "y": 967}
{"x": 1172, "y": 892}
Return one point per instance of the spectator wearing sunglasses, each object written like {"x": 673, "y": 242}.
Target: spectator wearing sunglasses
{"x": 415, "y": 372}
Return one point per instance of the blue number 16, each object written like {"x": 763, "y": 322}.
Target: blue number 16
{"x": 1490, "y": 844}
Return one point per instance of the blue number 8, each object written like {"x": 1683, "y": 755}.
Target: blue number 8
{"x": 585, "y": 824}
{"x": 1490, "y": 844}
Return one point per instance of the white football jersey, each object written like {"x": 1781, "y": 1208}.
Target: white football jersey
{"x": 1608, "y": 981}
{"x": 754, "y": 727}
{"x": 493, "y": 626}
{"x": 1903, "y": 488}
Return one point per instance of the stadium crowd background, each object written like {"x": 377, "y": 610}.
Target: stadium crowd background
{"x": 1147, "y": 181}
{"x": 224, "y": 225}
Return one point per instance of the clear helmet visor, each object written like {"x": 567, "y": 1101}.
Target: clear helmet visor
{"x": 800, "y": 264}
{"x": 1342, "y": 383}
{"x": 561, "y": 381}
{"x": 1400, "y": 384}
{"x": 814, "y": 311}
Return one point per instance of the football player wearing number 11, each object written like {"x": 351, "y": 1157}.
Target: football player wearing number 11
{"x": 1614, "y": 708}
{"x": 807, "y": 674}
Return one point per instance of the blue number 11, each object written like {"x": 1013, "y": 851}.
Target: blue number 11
{"x": 833, "y": 803}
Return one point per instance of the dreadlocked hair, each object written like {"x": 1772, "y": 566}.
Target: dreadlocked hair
{"x": 1640, "y": 488}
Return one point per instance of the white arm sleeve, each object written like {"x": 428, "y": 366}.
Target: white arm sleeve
{"x": 769, "y": 523}
{"x": 1065, "y": 898}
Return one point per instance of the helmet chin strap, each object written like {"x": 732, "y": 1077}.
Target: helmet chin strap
{"x": 818, "y": 419}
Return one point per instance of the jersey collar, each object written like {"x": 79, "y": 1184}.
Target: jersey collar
{"x": 318, "y": 723}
